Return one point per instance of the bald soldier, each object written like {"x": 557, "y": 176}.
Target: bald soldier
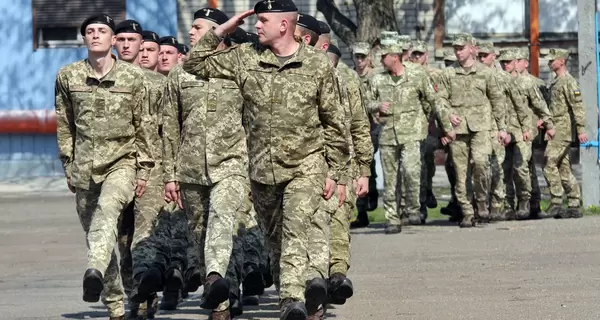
{"x": 568, "y": 113}
{"x": 293, "y": 165}
{"x": 106, "y": 130}
{"x": 473, "y": 105}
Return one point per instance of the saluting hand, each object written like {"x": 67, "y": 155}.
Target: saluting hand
{"x": 231, "y": 24}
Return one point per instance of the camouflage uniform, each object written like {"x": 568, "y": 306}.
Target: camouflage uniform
{"x": 402, "y": 131}
{"x": 292, "y": 145}
{"x": 101, "y": 120}
{"x": 210, "y": 162}
{"x": 567, "y": 110}
{"x": 475, "y": 96}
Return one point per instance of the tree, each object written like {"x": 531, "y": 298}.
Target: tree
{"x": 372, "y": 16}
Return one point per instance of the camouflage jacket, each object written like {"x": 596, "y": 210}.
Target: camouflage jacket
{"x": 435, "y": 123}
{"x": 474, "y": 95}
{"x": 412, "y": 98}
{"x": 155, "y": 84}
{"x": 566, "y": 100}
{"x": 537, "y": 107}
{"x": 204, "y": 139}
{"x": 359, "y": 124}
{"x": 517, "y": 117}
{"x": 101, "y": 123}
{"x": 295, "y": 119}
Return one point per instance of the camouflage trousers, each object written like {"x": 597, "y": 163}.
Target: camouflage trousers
{"x": 99, "y": 208}
{"x": 403, "y": 163}
{"x": 451, "y": 173}
{"x": 558, "y": 174}
{"x": 516, "y": 171}
{"x": 286, "y": 211}
{"x": 339, "y": 256}
{"x": 497, "y": 187}
{"x": 428, "y": 147}
{"x": 476, "y": 146}
{"x": 212, "y": 212}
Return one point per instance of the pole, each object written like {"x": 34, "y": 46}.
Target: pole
{"x": 534, "y": 38}
{"x": 588, "y": 81}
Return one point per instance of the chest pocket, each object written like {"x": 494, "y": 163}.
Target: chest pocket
{"x": 387, "y": 93}
{"x": 410, "y": 98}
{"x": 257, "y": 85}
{"x": 82, "y": 100}
{"x": 193, "y": 95}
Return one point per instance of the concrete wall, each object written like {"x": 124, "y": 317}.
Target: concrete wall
{"x": 27, "y": 80}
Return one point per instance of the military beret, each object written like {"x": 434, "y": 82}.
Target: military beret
{"x": 335, "y": 50}
{"x": 523, "y": 53}
{"x": 419, "y": 46}
{"x": 169, "y": 41}
{"x": 252, "y": 37}
{"x": 128, "y": 26}
{"x": 183, "y": 48}
{"x": 485, "y": 46}
{"x": 99, "y": 18}
{"x": 324, "y": 27}
{"x": 150, "y": 36}
{"x": 215, "y": 15}
{"x": 556, "y": 53}
{"x": 239, "y": 36}
{"x": 270, "y": 6}
{"x": 508, "y": 54}
{"x": 449, "y": 55}
{"x": 462, "y": 39}
{"x": 309, "y": 22}
{"x": 361, "y": 48}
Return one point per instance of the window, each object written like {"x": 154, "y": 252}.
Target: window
{"x": 56, "y": 22}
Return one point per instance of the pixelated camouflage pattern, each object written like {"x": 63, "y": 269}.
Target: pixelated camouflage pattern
{"x": 566, "y": 100}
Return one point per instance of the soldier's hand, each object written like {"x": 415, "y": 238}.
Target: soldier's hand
{"x": 329, "y": 189}
{"x": 341, "y": 190}
{"x": 140, "y": 187}
{"x": 231, "y": 24}
{"x": 172, "y": 193}
{"x": 526, "y": 136}
{"x": 384, "y": 107}
{"x": 582, "y": 138}
{"x": 501, "y": 136}
{"x": 362, "y": 187}
{"x": 540, "y": 124}
{"x": 445, "y": 141}
{"x": 550, "y": 134}
{"x": 71, "y": 188}
{"x": 455, "y": 120}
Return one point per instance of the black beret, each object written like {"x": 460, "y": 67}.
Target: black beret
{"x": 268, "y": 6}
{"x": 309, "y": 22}
{"x": 183, "y": 48}
{"x": 239, "y": 36}
{"x": 151, "y": 36}
{"x": 99, "y": 18}
{"x": 129, "y": 26}
{"x": 324, "y": 27}
{"x": 252, "y": 37}
{"x": 169, "y": 41}
{"x": 335, "y": 50}
{"x": 215, "y": 15}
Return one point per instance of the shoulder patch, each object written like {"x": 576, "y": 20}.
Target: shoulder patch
{"x": 576, "y": 92}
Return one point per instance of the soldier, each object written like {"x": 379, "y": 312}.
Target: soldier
{"x": 110, "y": 131}
{"x": 473, "y": 104}
{"x": 405, "y": 42}
{"x": 183, "y": 50}
{"x": 140, "y": 247}
{"x": 362, "y": 56}
{"x": 168, "y": 56}
{"x": 297, "y": 144}
{"x": 206, "y": 146}
{"x": 449, "y": 58}
{"x": 518, "y": 153}
{"x": 544, "y": 120}
{"x": 426, "y": 197}
{"x": 149, "y": 50}
{"x": 404, "y": 97}
{"x": 567, "y": 109}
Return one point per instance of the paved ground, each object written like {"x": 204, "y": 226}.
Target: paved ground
{"x": 528, "y": 270}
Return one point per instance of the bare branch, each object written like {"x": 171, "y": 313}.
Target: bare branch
{"x": 341, "y": 25}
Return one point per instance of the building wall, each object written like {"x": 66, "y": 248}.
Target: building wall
{"x": 27, "y": 80}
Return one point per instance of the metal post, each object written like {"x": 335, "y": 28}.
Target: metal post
{"x": 534, "y": 38}
{"x": 588, "y": 81}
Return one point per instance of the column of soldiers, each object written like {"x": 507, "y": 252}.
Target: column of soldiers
{"x": 215, "y": 169}
{"x": 492, "y": 114}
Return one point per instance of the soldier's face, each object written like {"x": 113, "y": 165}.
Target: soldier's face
{"x": 271, "y": 26}
{"x": 361, "y": 60}
{"x": 167, "y": 58}
{"x": 99, "y": 38}
{"x": 521, "y": 65}
{"x": 508, "y": 66}
{"x": 465, "y": 52}
{"x": 128, "y": 46}
{"x": 487, "y": 58}
{"x": 556, "y": 64}
{"x": 199, "y": 28}
{"x": 149, "y": 55}
{"x": 418, "y": 57}
{"x": 388, "y": 60}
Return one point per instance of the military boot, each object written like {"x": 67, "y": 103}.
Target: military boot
{"x": 523, "y": 210}
{"x": 423, "y": 213}
{"x": 362, "y": 221}
{"x": 414, "y": 219}
{"x": 483, "y": 212}
{"x": 193, "y": 280}
{"x": 557, "y": 211}
{"x": 468, "y": 221}
{"x": 509, "y": 212}
{"x": 293, "y": 310}
{"x": 431, "y": 200}
{"x": 393, "y": 229}
{"x": 254, "y": 283}
{"x": 496, "y": 214}
{"x": 93, "y": 284}
{"x": 339, "y": 288}
{"x": 219, "y": 315}
{"x": 216, "y": 291}
{"x": 315, "y": 294}
{"x": 574, "y": 212}
{"x": 117, "y": 318}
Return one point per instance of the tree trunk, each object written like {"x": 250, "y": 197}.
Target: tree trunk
{"x": 372, "y": 17}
